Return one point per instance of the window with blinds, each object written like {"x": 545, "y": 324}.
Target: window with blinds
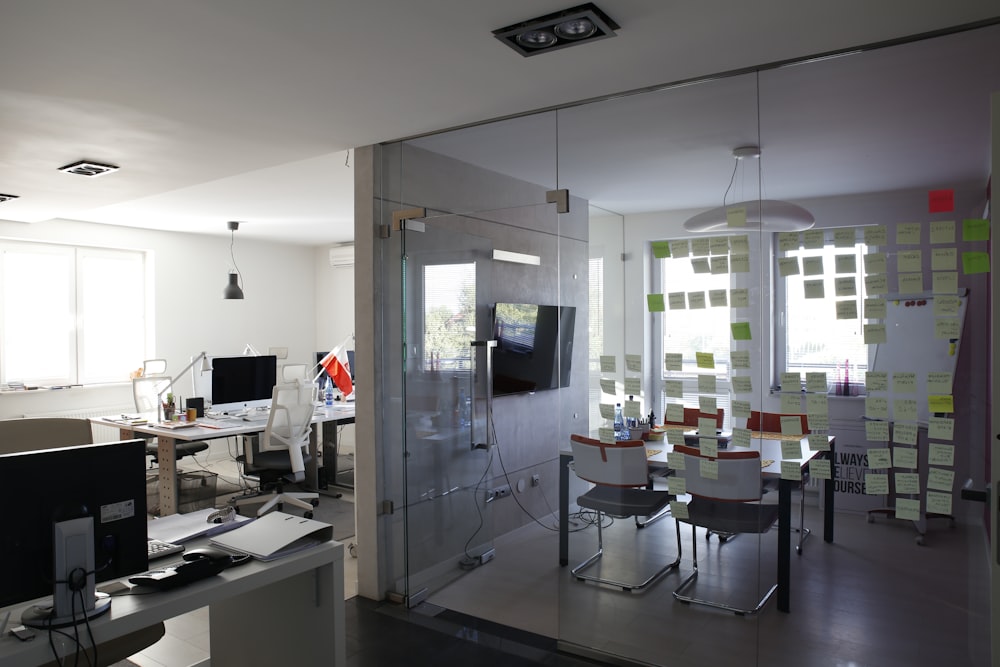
{"x": 449, "y": 297}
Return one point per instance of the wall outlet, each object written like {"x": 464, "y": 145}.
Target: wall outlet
{"x": 498, "y": 492}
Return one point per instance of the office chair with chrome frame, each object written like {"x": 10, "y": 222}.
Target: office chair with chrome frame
{"x": 281, "y": 455}
{"x": 728, "y": 502}
{"x": 620, "y": 475}
{"x": 770, "y": 422}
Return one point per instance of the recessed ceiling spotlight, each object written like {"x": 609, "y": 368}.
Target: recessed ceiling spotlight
{"x": 4, "y": 198}
{"x": 89, "y": 169}
{"x": 583, "y": 23}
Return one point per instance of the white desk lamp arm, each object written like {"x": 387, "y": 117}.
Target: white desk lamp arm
{"x": 202, "y": 356}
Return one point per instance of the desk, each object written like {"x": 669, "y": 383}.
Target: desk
{"x": 286, "y": 612}
{"x": 769, "y": 449}
{"x": 167, "y": 439}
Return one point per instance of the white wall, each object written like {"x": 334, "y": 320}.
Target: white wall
{"x": 189, "y": 272}
{"x": 334, "y": 301}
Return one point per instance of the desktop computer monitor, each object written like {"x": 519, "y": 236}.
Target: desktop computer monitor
{"x": 243, "y": 383}
{"x": 42, "y": 488}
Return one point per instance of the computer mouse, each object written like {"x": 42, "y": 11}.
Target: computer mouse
{"x": 208, "y": 553}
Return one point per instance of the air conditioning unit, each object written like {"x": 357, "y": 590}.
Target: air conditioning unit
{"x": 342, "y": 255}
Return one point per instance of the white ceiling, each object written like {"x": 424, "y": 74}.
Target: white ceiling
{"x": 246, "y": 109}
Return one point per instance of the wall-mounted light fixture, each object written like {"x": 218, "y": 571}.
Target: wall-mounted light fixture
{"x": 583, "y": 23}
{"x": 233, "y": 289}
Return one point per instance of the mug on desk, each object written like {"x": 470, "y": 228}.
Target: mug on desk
{"x": 192, "y": 414}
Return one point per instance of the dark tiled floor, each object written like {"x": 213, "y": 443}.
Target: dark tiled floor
{"x": 384, "y": 635}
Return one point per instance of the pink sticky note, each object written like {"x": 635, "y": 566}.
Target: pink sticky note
{"x": 941, "y": 201}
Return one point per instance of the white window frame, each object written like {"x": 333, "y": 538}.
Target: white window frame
{"x": 73, "y": 328}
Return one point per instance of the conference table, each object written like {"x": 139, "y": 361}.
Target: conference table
{"x": 211, "y": 428}
{"x": 770, "y": 447}
{"x": 288, "y": 611}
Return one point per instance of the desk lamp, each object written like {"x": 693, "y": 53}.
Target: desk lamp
{"x": 205, "y": 366}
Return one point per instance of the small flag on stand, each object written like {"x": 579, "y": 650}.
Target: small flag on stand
{"x": 339, "y": 370}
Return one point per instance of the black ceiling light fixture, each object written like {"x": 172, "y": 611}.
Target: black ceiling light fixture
{"x": 233, "y": 289}
{"x": 4, "y": 198}
{"x": 583, "y": 23}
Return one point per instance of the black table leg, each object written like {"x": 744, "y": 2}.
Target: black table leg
{"x": 828, "y": 497}
{"x": 784, "y": 542}
{"x": 564, "y": 460}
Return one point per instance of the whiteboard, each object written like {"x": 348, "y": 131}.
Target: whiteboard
{"x": 912, "y": 345}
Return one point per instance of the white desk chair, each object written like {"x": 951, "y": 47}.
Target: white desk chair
{"x": 282, "y": 453}
{"x": 294, "y": 372}
{"x": 728, "y": 503}
{"x": 620, "y": 474}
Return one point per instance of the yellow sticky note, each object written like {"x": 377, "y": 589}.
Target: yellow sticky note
{"x": 791, "y": 403}
{"x": 791, "y": 470}
{"x": 788, "y": 266}
{"x": 608, "y": 363}
{"x": 939, "y": 383}
{"x": 845, "y": 264}
{"x": 673, "y": 361}
{"x": 739, "y": 297}
{"x": 675, "y": 460}
{"x": 741, "y": 437}
{"x": 705, "y": 359}
{"x": 817, "y": 405}
{"x": 741, "y": 409}
{"x": 706, "y": 384}
{"x": 911, "y": 283}
{"x": 875, "y": 309}
{"x": 947, "y": 328}
{"x": 944, "y": 282}
{"x": 700, "y": 265}
{"x": 940, "y": 403}
{"x": 812, "y": 266}
{"x": 847, "y": 309}
{"x": 675, "y": 413}
{"x": 701, "y": 247}
{"x": 816, "y": 381}
{"x": 608, "y": 386}
{"x": 739, "y": 263}
{"x": 788, "y": 241}
{"x": 845, "y": 287}
{"x": 877, "y": 284}
{"x": 633, "y": 363}
{"x": 879, "y": 457}
{"x": 677, "y": 485}
{"x": 908, "y": 233}
{"x": 940, "y": 454}
{"x": 719, "y": 265}
{"x": 941, "y": 428}
{"x": 875, "y": 263}
{"x": 843, "y": 237}
{"x": 938, "y": 503}
{"x": 736, "y": 216}
{"x": 877, "y": 407}
{"x": 679, "y": 248}
{"x": 791, "y": 425}
{"x": 606, "y": 434}
{"x": 708, "y": 469}
{"x": 876, "y": 484}
{"x": 607, "y": 410}
{"x": 905, "y": 434}
{"x": 814, "y": 289}
{"x": 905, "y": 409}
{"x": 947, "y": 305}
{"x": 742, "y": 384}
{"x": 877, "y": 431}
{"x": 876, "y": 235}
{"x": 874, "y": 334}
{"x": 813, "y": 239}
{"x": 791, "y": 449}
{"x": 820, "y": 469}
{"x": 709, "y": 446}
{"x": 740, "y": 359}
{"x": 718, "y": 298}
{"x": 907, "y": 509}
{"x": 741, "y": 330}
{"x": 975, "y": 230}
{"x": 661, "y": 249}
{"x": 719, "y": 245}
{"x": 877, "y": 380}
{"x": 631, "y": 409}
{"x": 904, "y": 457}
{"x": 696, "y": 300}
{"x": 944, "y": 259}
{"x": 708, "y": 405}
{"x": 673, "y": 388}
{"x": 975, "y": 262}
{"x": 655, "y": 303}
{"x": 904, "y": 382}
{"x": 679, "y": 510}
{"x": 909, "y": 261}
{"x": 943, "y": 231}
{"x": 818, "y": 442}
{"x": 907, "y": 482}
{"x": 677, "y": 300}
{"x": 633, "y": 386}
{"x": 940, "y": 479}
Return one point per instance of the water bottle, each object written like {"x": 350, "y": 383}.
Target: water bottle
{"x": 620, "y": 431}
{"x": 328, "y": 393}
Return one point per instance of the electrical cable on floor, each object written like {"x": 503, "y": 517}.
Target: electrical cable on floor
{"x": 469, "y": 562}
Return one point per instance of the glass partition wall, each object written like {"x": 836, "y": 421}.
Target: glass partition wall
{"x": 828, "y": 306}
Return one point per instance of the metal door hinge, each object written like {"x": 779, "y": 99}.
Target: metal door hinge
{"x": 560, "y": 198}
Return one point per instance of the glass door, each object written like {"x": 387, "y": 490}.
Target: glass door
{"x": 467, "y": 279}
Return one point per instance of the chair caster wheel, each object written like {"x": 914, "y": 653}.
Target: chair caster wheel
{"x": 798, "y": 550}
{"x": 308, "y": 515}
{"x": 920, "y": 540}
{"x": 314, "y": 502}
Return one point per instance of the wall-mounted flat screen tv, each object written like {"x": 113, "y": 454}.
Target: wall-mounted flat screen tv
{"x": 534, "y": 347}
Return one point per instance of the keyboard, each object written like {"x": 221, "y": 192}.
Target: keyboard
{"x": 158, "y": 549}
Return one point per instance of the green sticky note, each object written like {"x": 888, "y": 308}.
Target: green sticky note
{"x": 975, "y": 262}
{"x": 661, "y": 249}
{"x": 975, "y": 229}
{"x": 741, "y": 330}
{"x": 655, "y": 303}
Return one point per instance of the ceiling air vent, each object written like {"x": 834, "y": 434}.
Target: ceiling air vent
{"x": 342, "y": 255}
{"x": 89, "y": 169}
{"x": 4, "y": 198}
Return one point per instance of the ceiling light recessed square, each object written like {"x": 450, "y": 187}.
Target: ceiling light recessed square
{"x": 4, "y": 198}
{"x": 89, "y": 169}
{"x": 583, "y": 23}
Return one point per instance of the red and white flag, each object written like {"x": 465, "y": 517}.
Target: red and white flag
{"x": 339, "y": 370}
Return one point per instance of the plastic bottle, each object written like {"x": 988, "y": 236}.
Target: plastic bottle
{"x": 328, "y": 392}
{"x": 619, "y": 421}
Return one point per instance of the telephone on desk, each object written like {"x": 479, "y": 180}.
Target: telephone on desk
{"x": 198, "y": 564}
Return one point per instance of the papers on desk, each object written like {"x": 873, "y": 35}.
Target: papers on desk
{"x": 178, "y": 424}
{"x": 179, "y": 528}
{"x": 274, "y": 535}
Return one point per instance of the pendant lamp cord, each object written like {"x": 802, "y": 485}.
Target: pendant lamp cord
{"x": 232, "y": 255}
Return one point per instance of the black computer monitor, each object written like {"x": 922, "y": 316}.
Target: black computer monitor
{"x": 106, "y": 482}
{"x": 241, "y": 383}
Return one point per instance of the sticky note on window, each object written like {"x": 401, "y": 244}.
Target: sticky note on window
{"x": 679, "y": 249}
{"x": 909, "y": 261}
{"x": 943, "y": 231}
{"x": 940, "y": 201}
{"x": 633, "y": 386}
{"x": 939, "y": 383}
{"x": 708, "y": 469}
{"x": 941, "y": 403}
{"x": 741, "y": 437}
{"x": 875, "y": 262}
{"x": 736, "y": 216}
{"x": 812, "y": 266}
{"x": 940, "y": 454}
{"x": 814, "y": 289}
{"x": 845, "y": 264}
{"x": 947, "y": 328}
{"x": 608, "y": 363}
{"x": 904, "y": 457}
{"x": 608, "y": 386}
{"x": 718, "y": 298}
{"x": 843, "y": 237}
{"x": 845, "y": 286}
{"x": 673, "y": 361}
{"x": 947, "y": 305}
{"x": 905, "y": 409}
{"x": 791, "y": 449}
{"x": 875, "y": 309}
{"x": 631, "y": 409}
{"x": 742, "y": 384}
{"x": 700, "y": 265}
{"x": 740, "y": 359}
{"x": 709, "y": 446}
{"x": 706, "y": 384}
{"x": 675, "y": 460}
{"x": 606, "y": 434}
{"x": 704, "y": 359}
{"x": 876, "y": 484}
{"x": 904, "y": 382}
{"x": 661, "y": 249}
{"x": 877, "y": 431}
{"x": 941, "y": 428}
{"x": 877, "y": 380}
{"x": 791, "y": 470}
{"x": 944, "y": 282}
{"x": 975, "y": 262}
{"x": 719, "y": 265}
{"x": 877, "y": 284}
{"x": 607, "y": 410}
{"x": 741, "y": 330}
{"x": 788, "y": 266}
{"x": 696, "y": 300}
{"x": 813, "y": 239}
{"x": 816, "y": 381}
{"x": 818, "y": 442}
{"x": 791, "y": 425}
{"x": 677, "y": 300}
{"x": 876, "y": 235}
{"x": 708, "y": 405}
{"x": 788, "y": 241}
{"x": 938, "y": 503}
{"x": 719, "y": 245}
{"x": 739, "y": 244}
{"x": 904, "y": 434}
{"x": 940, "y": 479}
{"x": 741, "y": 409}
{"x": 975, "y": 229}
{"x": 911, "y": 283}
{"x": 655, "y": 303}
{"x": 633, "y": 363}
{"x": 908, "y": 233}
{"x": 874, "y": 334}
{"x": 677, "y": 485}
{"x": 791, "y": 403}
{"x": 877, "y": 407}
{"x": 817, "y": 405}
{"x": 673, "y": 388}
{"x": 945, "y": 259}
{"x": 679, "y": 510}
{"x": 739, "y": 263}
{"x": 675, "y": 414}
{"x": 700, "y": 247}
{"x": 820, "y": 469}
{"x": 739, "y": 298}
{"x": 879, "y": 457}
{"x": 907, "y": 509}
{"x": 907, "y": 482}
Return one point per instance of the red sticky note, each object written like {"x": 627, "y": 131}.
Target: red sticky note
{"x": 941, "y": 201}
